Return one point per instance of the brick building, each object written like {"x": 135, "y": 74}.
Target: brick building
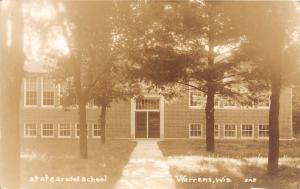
{"x": 150, "y": 117}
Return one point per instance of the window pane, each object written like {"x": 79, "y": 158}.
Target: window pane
{"x": 195, "y": 130}
{"x": 30, "y": 130}
{"x": 97, "y": 130}
{"x": 263, "y": 130}
{"x": 216, "y": 130}
{"x": 147, "y": 104}
{"x": 48, "y": 92}
{"x": 230, "y": 130}
{"x": 48, "y": 130}
{"x": 197, "y": 98}
{"x": 65, "y": 130}
{"x": 31, "y": 91}
{"x": 247, "y": 130}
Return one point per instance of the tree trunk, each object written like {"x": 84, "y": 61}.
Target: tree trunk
{"x": 10, "y": 139}
{"x": 10, "y": 99}
{"x": 274, "y": 124}
{"x": 103, "y": 123}
{"x": 210, "y": 121}
{"x": 209, "y": 108}
{"x": 83, "y": 130}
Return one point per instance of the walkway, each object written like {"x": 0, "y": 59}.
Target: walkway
{"x": 146, "y": 169}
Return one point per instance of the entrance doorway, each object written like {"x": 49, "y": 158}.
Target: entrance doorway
{"x": 147, "y": 118}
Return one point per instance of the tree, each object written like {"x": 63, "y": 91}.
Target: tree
{"x": 270, "y": 45}
{"x": 296, "y": 111}
{"x": 195, "y": 44}
{"x": 100, "y": 68}
{"x": 12, "y": 61}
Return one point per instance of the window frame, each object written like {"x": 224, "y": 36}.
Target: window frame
{"x": 247, "y": 137}
{"x": 87, "y": 130}
{"x": 201, "y": 131}
{"x": 235, "y": 131}
{"x": 42, "y": 93}
{"x": 263, "y": 137}
{"x": 30, "y": 136}
{"x": 150, "y": 109}
{"x": 264, "y": 107}
{"x": 76, "y": 128}
{"x": 93, "y": 129}
{"x": 25, "y": 91}
{"x": 42, "y": 129}
{"x": 203, "y": 102}
{"x": 223, "y": 101}
{"x": 218, "y": 125}
{"x": 59, "y": 129}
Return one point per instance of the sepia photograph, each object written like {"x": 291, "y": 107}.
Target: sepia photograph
{"x": 149, "y": 94}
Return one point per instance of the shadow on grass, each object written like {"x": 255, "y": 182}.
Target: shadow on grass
{"x": 234, "y": 166}
{"x": 59, "y": 159}
{"x": 225, "y": 173}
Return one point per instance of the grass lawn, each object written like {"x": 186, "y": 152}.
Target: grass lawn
{"x": 59, "y": 159}
{"x": 236, "y": 164}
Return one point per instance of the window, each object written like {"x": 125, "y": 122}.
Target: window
{"x": 247, "y": 130}
{"x": 230, "y": 130}
{"x": 229, "y": 103}
{"x": 91, "y": 104}
{"x": 263, "y": 102}
{"x": 30, "y": 130}
{"x": 64, "y": 130}
{"x": 30, "y": 91}
{"x": 195, "y": 130}
{"x": 217, "y": 131}
{"x": 147, "y": 104}
{"x": 197, "y": 99}
{"x": 47, "y": 130}
{"x": 48, "y": 92}
{"x": 263, "y": 130}
{"x": 77, "y": 132}
{"x": 217, "y": 102}
{"x": 96, "y": 130}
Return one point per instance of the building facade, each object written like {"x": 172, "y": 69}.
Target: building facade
{"x": 153, "y": 116}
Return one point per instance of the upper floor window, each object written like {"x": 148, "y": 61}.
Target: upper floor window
{"x": 31, "y": 91}
{"x": 48, "y": 92}
{"x": 264, "y": 102}
{"x": 229, "y": 103}
{"x": 196, "y": 99}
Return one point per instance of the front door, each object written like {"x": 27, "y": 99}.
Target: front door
{"x": 140, "y": 124}
{"x": 147, "y": 118}
{"x": 153, "y": 124}
{"x": 147, "y": 124}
